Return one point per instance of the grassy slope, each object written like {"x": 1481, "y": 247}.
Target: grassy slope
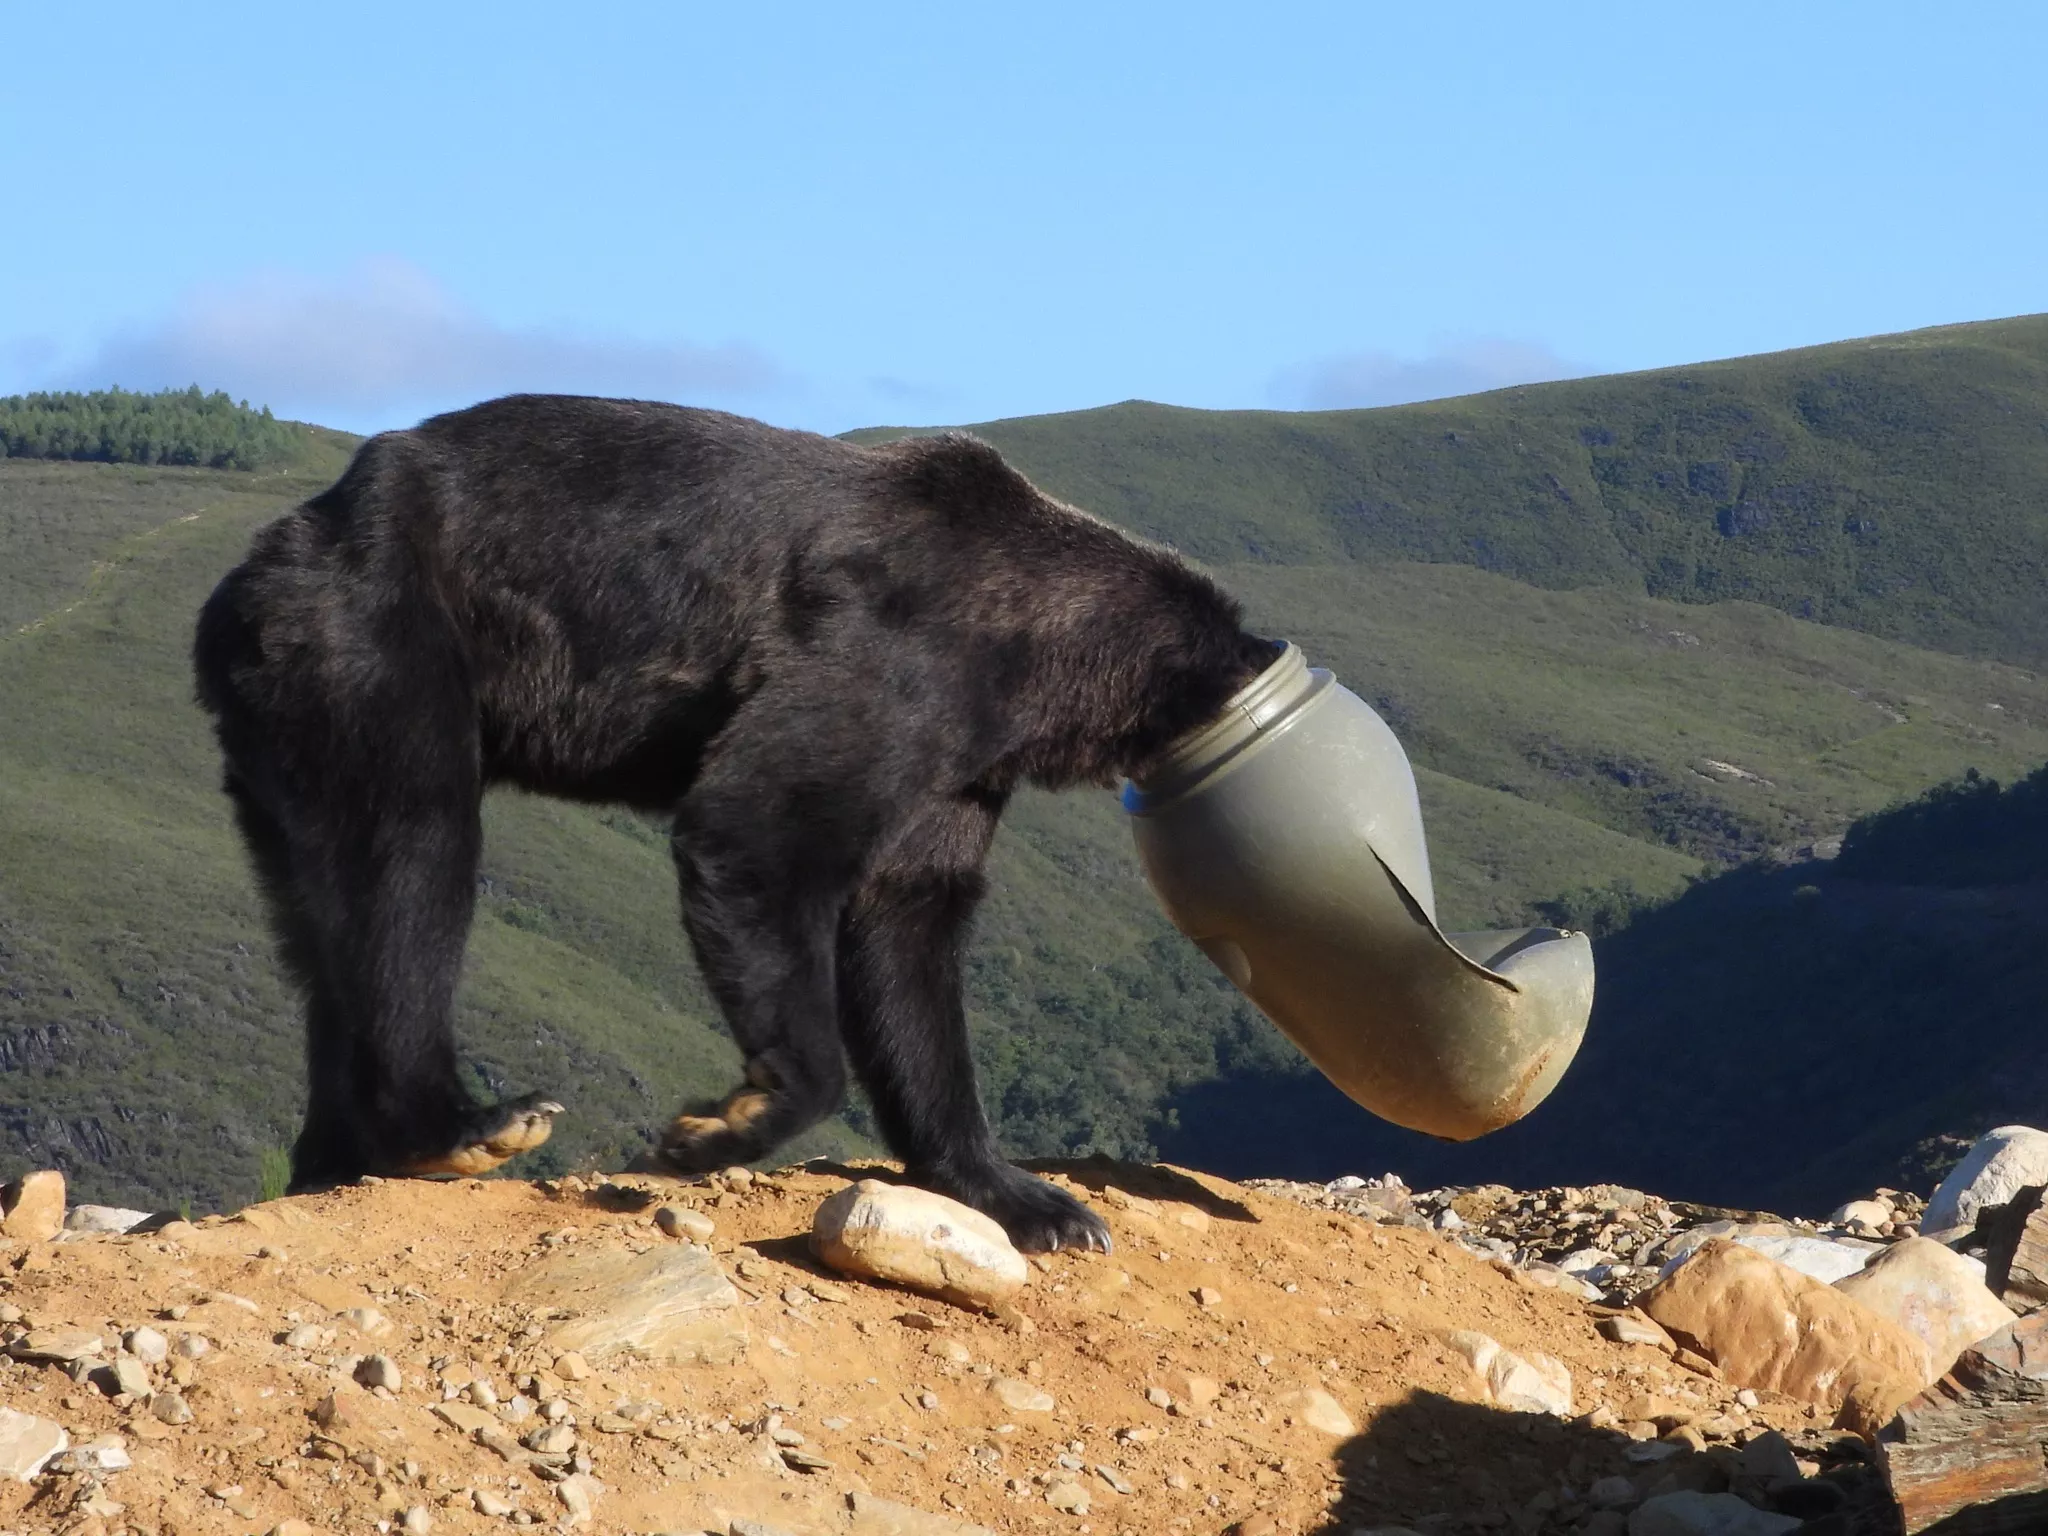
{"x": 1561, "y": 727}
{"x": 1892, "y": 485}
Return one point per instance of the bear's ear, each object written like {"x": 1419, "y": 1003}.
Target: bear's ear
{"x": 959, "y": 475}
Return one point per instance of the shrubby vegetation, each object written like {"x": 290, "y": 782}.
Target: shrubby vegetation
{"x": 119, "y": 426}
{"x": 1964, "y": 833}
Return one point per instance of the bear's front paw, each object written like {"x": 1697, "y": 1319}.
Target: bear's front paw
{"x": 1038, "y": 1217}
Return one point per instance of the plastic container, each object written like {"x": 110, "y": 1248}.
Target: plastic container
{"x": 1285, "y": 839}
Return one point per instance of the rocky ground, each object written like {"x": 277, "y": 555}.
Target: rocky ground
{"x": 638, "y": 1354}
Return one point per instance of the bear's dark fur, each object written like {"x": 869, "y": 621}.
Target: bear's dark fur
{"x": 831, "y": 664}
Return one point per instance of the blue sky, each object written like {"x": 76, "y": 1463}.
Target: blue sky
{"x": 835, "y": 216}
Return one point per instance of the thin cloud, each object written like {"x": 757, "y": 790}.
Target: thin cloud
{"x": 386, "y": 341}
{"x": 1356, "y": 379}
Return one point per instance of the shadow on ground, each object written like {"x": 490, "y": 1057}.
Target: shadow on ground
{"x": 1438, "y": 1466}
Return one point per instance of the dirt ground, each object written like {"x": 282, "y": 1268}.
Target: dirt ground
{"x": 1222, "y": 1299}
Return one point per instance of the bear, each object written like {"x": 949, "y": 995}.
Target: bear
{"x": 829, "y": 665}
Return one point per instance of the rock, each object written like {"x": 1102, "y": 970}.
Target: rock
{"x": 1934, "y": 1293}
{"x": 881, "y": 1517}
{"x": 1521, "y": 1384}
{"x": 1159, "y": 1397}
{"x": 1978, "y": 1437}
{"x": 417, "y": 1521}
{"x": 1021, "y": 1396}
{"x": 27, "y": 1443}
{"x": 579, "y": 1494}
{"x": 755, "y": 1528}
{"x": 1766, "y": 1460}
{"x": 1318, "y": 1410}
{"x": 56, "y": 1346}
{"x": 2016, "y": 1267}
{"x": 170, "y": 1408}
{"x": 1118, "y": 1483}
{"x": 1766, "y": 1326}
{"x": 127, "y": 1375}
{"x": 670, "y": 1305}
{"x": 681, "y": 1222}
{"x": 1826, "y": 1259}
{"x": 192, "y": 1346}
{"x": 1195, "y": 1392}
{"x": 146, "y": 1345}
{"x": 1550, "y": 1278}
{"x": 1999, "y": 1166}
{"x": 1864, "y": 1213}
{"x": 112, "y": 1219}
{"x": 1067, "y": 1495}
{"x": 491, "y": 1504}
{"x": 1634, "y": 1328}
{"x": 916, "y": 1238}
{"x": 1613, "y": 1493}
{"x": 464, "y": 1418}
{"x": 33, "y": 1206}
{"x": 380, "y": 1371}
{"x": 1687, "y": 1513}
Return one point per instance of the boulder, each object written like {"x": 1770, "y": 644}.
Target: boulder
{"x": 1999, "y": 1166}
{"x": 1766, "y": 1326}
{"x": 916, "y": 1238}
{"x": 1971, "y": 1452}
{"x": 1861, "y": 1213}
{"x": 672, "y": 1305}
{"x": 1826, "y": 1259}
{"x": 1521, "y": 1384}
{"x": 1932, "y": 1292}
{"x": 1706, "y": 1514}
{"x": 34, "y": 1207}
{"x": 27, "y": 1443}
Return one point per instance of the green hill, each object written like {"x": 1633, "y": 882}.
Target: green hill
{"x": 1587, "y": 739}
{"x": 1896, "y": 485}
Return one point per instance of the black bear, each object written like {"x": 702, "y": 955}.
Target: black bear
{"x": 830, "y": 664}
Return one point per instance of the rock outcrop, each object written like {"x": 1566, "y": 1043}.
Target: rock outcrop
{"x": 1971, "y": 1452}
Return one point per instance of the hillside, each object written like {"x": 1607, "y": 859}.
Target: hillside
{"x": 1893, "y": 485}
{"x": 1580, "y": 749}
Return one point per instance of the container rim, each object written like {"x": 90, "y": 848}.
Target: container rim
{"x": 1266, "y": 704}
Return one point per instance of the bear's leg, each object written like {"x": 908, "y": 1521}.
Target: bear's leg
{"x": 901, "y": 947}
{"x": 762, "y": 887}
{"x": 370, "y": 885}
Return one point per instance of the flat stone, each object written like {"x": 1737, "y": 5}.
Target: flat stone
{"x": 1766, "y": 1326}
{"x": 1021, "y": 1396}
{"x": 913, "y": 1237}
{"x": 1521, "y": 1384}
{"x": 1688, "y": 1513}
{"x": 1971, "y": 1452}
{"x": 34, "y": 1207}
{"x": 1826, "y": 1259}
{"x": 1932, "y": 1292}
{"x": 27, "y": 1443}
{"x": 1067, "y": 1495}
{"x": 56, "y": 1346}
{"x": 671, "y": 1305}
{"x": 1998, "y": 1167}
{"x": 464, "y": 1418}
{"x": 1634, "y": 1328}
{"x": 111, "y": 1219}
{"x": 579, "y": 1494}
{"x": 1318, "y": 1410}
{"x": 882, "y": 1517}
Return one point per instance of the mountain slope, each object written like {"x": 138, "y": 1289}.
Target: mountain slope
{"x": 1580, "y": 749}
{"x": 1893, "y": 485}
